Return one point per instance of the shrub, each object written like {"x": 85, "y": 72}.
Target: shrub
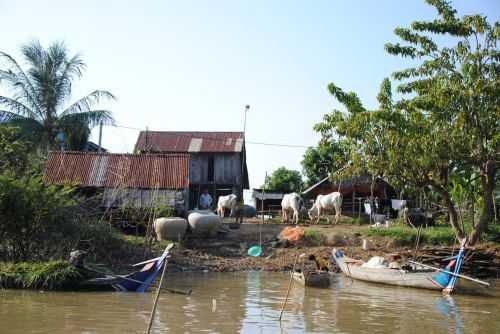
{"x": 29, "y": 211}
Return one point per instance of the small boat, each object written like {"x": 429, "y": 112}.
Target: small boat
{"x": 138, "y": 281}
{"x": 418, "y": 278}
{"x": 317, "y": 279}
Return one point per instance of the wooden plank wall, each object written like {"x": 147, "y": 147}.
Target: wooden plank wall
{"x": 227, "y": 168}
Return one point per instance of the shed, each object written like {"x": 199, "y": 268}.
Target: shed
{"x": 217, "y": 159}
{"x": 267, "y": 201}
{"x": 124, "y": 179}
{"x": 353, "y": 190}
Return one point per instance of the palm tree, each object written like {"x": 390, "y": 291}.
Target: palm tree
{"x": 39, "y": 101}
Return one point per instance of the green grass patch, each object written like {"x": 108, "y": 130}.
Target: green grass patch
{"x": 436, "y": 235}
{"x": 314, "y": 238}
{"x": 53, "y": 275}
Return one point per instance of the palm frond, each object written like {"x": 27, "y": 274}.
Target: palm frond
{"x": 86, "y": 103}
{"x": 7, "y": 116}
{"x": 71, "y": 69}
{"x": 33, "y": 52}
{"x": 18, "y": 80}
{"x": 89, "y": 118}
{"x": 17, "y": 107}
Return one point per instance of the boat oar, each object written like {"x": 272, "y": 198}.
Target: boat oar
{"x": 452, "y": 273}
{"x": 290, "y": 283}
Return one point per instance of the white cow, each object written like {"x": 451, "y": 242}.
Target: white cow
{"x": 226, "y": 202}
{"x": 291, "y": 203}
{"x": 325, "y": 203}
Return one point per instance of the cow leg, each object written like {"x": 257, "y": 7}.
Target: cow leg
{"x": 295, "y": 216}
{"x": 319, "y": 215}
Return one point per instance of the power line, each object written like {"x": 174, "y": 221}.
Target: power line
{"x": 220, "y": 140}
{"x": 279, "y": 145}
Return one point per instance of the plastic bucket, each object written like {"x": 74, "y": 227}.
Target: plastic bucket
{"x": 255, "y": 251}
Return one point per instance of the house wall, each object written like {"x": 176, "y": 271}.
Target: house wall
{"x": 227, "y": 168}
{"x": 145, "y": 198}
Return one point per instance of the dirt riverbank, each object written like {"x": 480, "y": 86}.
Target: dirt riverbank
{"x": 228, "y": 252}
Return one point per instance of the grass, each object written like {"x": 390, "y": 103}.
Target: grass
{"x": 314, "y": 238}
{"x": 53, "y": 275}
{"x": 404, "y": 235}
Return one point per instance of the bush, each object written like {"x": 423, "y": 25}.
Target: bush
{"x": 493, "y": 233}
{"x": 29, "y": 212}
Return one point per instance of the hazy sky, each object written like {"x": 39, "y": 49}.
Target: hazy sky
{"x": 194, "y": 65}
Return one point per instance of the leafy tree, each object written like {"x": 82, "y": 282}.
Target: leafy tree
{"x": 13, "y": 151}
{"x": 449, "y": 127}
{"x": 284, "y": 180}
{"x": 40, "y": 94}
{"x": 458, "y": 89}
{"x": 329, "y": 156}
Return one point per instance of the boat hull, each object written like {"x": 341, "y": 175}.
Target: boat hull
{"x": 420, "y": 279}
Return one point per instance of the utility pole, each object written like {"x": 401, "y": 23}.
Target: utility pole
{"x": 100, "y": 137}
{"x": 244, "y": 153}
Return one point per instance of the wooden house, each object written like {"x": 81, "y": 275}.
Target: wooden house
{"x": 217, "y": 159}
{"x": 123, "y": 179}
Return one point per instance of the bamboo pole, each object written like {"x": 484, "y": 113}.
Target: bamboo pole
{"x": 290, "y": 284}
{"x": 451, "y": 273}
{"x": 153, "y": 311}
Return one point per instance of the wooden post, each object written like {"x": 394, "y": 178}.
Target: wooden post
{"x": 263, "y": 195}
{"x": 353, "y": 201}
{"x": 153, "y": 311}
{"x": 289, "y": 286}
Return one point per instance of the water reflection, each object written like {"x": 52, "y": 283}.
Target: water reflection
{"x": 250, "y": 303}
{"x": 446, "y": 306}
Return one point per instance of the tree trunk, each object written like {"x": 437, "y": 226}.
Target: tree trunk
{"x": 452, "y": 212}
{"x": 487, "y": 187}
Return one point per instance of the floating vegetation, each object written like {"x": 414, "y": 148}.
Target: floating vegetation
{"x": 53, "y": 275}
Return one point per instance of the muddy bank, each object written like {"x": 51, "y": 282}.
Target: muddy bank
{"x": 228, "y": 252}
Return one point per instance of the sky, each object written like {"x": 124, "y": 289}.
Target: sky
{"x": 194, "y": 65}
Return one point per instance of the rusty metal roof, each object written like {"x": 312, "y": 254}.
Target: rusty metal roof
{"x": 189, "y": 141}
{"x": 89, "y": 169}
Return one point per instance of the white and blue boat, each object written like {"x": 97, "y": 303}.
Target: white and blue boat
{"x": 418, "y": 277}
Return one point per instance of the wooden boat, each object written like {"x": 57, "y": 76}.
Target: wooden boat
{"x": 138, "y": 281}
{"x": 317, "y": 279}
{"x": 420, "y": 278}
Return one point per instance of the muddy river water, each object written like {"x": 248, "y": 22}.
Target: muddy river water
{"x": 250, "y": 302}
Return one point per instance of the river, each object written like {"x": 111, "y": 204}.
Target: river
{"x": 250, "y": 302}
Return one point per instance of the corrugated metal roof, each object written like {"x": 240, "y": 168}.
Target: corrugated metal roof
{"x": 189, "y": 141}
{"x": 162, "y": 171}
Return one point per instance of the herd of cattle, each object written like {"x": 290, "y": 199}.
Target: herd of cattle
{"x": 291, "y": 206}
